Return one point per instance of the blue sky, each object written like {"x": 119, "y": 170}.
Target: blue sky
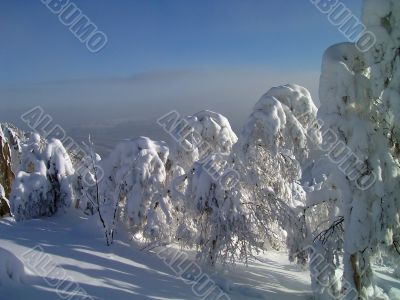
{"x": 149, "y": 35}
{"x": 222, "y": 54}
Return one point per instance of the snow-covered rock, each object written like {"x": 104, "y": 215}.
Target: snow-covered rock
{"x": 10, "y": 154}
{"x": 4, "y": 203}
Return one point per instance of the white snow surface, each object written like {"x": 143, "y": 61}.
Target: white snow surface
{"x": 75, "y": 246}
{"x": 12, "y": 271}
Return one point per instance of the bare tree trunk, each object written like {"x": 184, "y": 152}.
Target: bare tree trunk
{"x": 97, "y": 204}
{"x": 356, "y": 272}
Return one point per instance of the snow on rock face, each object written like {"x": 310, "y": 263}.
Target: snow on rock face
{"x": 10, "y": 155}
{"x": 12, "y": 271}
{"x": 135, "y": 175}
{"x": 2, "y": 192}
{"x": 14, "y": 138}
{"x": 10, "y": 152}
{"x": 210, "y": 133}
{"x": 4, "y": 203}
{"x": 44, "y": 184}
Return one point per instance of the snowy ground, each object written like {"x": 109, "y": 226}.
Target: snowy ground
{"x": 122, "y": 271}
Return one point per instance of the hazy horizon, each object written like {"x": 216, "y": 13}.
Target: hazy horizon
{"x": 160, "y": 56}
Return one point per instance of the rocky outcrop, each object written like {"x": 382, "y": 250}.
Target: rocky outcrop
{"x": 4, "y": 204}
{"x": 10, "y": 156}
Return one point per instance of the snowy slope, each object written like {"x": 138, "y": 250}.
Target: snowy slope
{"x": 122, "y": 271}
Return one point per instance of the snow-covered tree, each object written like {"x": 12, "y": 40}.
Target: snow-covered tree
{"x": 360, "y": 98}
{"x": 210, "y": 216}
{"x": 273, "y": 142}
{"x": 88, "y": 175}
{"x": 43, "y": 185}
{"x": 216, "y": 222}
{"x": 299, "y": 101}
{"x": 134, "y": 189}
{"x": 229, "y": 224}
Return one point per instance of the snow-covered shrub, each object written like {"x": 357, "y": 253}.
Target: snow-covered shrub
{"x": 135, "y": 177}
{"x": 43, "y": 185}
{"x": 87, "y": 177}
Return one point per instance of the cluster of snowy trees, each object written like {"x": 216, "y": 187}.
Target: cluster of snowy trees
{"x": 321, "y": 183}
